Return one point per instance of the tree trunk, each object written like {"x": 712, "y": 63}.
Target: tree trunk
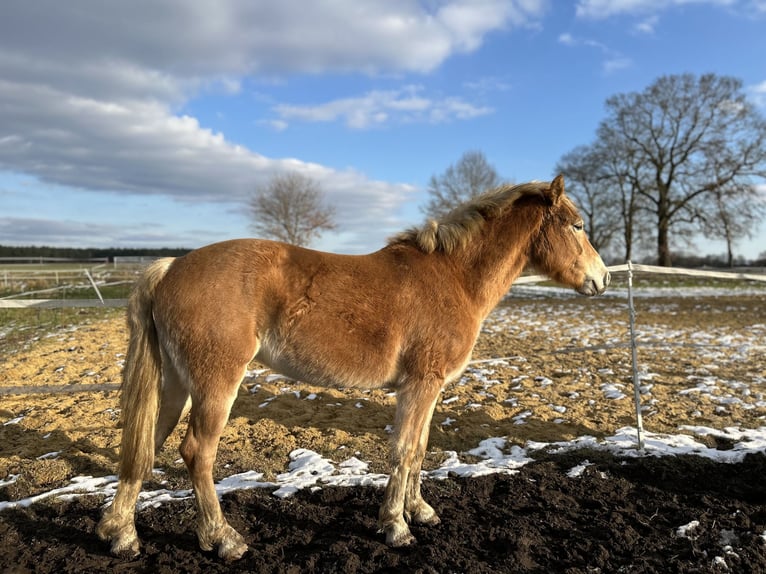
{"x": 663, "y": 245}
{"x": 730, "y": 252}
{"x": 628, "y": 241}
{"x": 663, "y": 249}
{"x": 729, "y": 239}
{"x": 627, "y": 218}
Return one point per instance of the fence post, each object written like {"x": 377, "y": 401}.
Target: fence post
{"x": 634, "y": 359}
{"x": 95, "y": 287}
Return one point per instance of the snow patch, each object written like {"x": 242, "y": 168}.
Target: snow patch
{"x": 687, "y": 530}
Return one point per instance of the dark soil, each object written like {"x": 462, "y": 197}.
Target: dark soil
{"x": 618, "y": 516}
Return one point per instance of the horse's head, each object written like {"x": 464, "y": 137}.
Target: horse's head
{"x": 562, "y": 250}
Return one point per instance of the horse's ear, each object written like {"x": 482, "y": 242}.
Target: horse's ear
{"x": 557, "y": 189}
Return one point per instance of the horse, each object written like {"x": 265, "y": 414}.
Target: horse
{"x": 405, "y": 317}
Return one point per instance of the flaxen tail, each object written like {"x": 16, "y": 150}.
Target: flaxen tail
{"x": 142, "y": 377}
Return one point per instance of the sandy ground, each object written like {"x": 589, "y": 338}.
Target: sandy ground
{"x": 564, "y": 371}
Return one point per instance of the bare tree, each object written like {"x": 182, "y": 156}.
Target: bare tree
{"x": 621, "y": 171}
{"x": 682, "y": 140}
{"x": 734, "y": 216}
{"x": 590, "y": 186}
{"x": 290, "y": 208}
{"x": 600, "y": 186}
{"x": 470, "y": 176}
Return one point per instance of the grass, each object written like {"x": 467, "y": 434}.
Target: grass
{"x": 643, "y": 280}
{"x": 69, "y": 280}
{"x": 75, "y": 292}
{"x": 21, "y": 326}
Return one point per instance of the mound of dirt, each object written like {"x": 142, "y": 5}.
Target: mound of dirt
{"x": 666, "y": 515}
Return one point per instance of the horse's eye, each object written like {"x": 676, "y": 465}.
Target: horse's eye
{"x": 578, "y": 226}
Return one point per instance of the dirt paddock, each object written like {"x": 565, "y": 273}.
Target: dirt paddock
{"x": 561, "y": 371}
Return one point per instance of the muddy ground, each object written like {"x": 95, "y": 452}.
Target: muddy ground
{"x": 565, "y": 372}
{"x": 614, "y": 518}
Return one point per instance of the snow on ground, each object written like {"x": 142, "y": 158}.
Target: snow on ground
{"x": 544, "y": 292}
{"x": 308, "y": 469}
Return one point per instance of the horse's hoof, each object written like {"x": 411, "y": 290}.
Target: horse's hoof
{"x": 401, "y": 541}
{"x": 126, "y": 553}
{"x": 232, "y": 549}
{"x": 230, "y": 543}
{"x": 428, "y": 517}
{"x": 432, "y": 521}
{"x": 124, "y": 538}
{"x": 125, "y": 548}
{"x": 399, "y": 537}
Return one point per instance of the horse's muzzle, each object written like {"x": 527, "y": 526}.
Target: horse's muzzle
{"x": 595, "y": 285}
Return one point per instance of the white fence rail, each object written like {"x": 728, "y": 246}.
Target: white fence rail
{"x": 734, "y": 275}
{"x": 60, "y": 303}
{"x": 9, "y": 302}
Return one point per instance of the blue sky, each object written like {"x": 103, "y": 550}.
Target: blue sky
{"x": 150, "y": 124}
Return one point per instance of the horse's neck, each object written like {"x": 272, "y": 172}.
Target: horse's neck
{"x": 493, "y": 264}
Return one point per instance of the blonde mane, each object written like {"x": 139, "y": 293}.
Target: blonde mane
{"x": 455, "y": 229}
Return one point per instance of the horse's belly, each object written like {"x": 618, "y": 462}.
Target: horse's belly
{"x": 330, "y": 363}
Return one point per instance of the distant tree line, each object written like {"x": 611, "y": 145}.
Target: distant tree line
{"x": 692, "y": 260}
{"x": 87, "y": 253}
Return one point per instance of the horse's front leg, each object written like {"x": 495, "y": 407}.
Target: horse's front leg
{"x": 417, "y": 509}
{"x": 414, "y": 407}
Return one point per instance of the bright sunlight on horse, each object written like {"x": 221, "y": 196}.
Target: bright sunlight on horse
{"x": 405, "y": 317}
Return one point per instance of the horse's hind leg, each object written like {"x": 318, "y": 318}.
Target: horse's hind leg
{"x": 174, "y": 402}
{"x": 118, "y": 522}
{"x": 211, "y": 404}
{"x": 414, "y": 408}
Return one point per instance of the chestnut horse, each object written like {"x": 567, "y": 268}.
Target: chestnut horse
{"x": 405, "y": 317}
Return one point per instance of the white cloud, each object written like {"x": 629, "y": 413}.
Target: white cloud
{"x": 276, "y": 125}
{"x": 758, "y": 94}
{"x": 600, "y": 9}
{"x": 382, "y": 106}
{"x": 613, "y": 61}
{"x": 616, "y": 63}
{"x": 142, "y": 148}
{"x": 647, "y": 25}
{"x": 90, "y": 94}
{"x": 46, "y": 231}
{"x": 247, "y": 36}
{"x": 568, "y": 40}
{"x": 488, "y": 84}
